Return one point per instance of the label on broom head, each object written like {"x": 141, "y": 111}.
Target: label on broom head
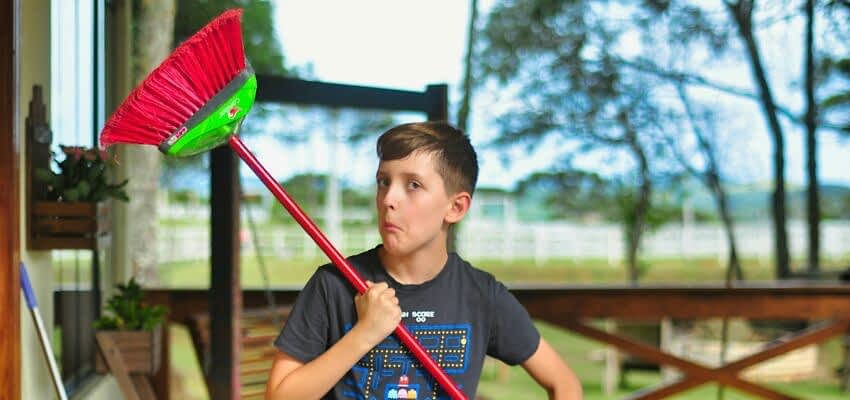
{"x": 177, "y": 135}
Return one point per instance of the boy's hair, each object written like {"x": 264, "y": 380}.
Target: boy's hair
{"x": 456, "y": 161}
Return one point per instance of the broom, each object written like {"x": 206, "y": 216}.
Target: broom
{"x": 196, "y": 100}
{"x": 43, "y": 339}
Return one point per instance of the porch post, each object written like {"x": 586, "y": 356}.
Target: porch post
{"x": 225, "y": 291}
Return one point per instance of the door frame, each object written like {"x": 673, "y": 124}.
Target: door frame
{"x": 10, "y": 335}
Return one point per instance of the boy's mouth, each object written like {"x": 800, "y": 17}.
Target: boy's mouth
{"x": 390, "y": 227}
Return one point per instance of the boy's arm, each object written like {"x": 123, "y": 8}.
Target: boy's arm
{"x": 378, "y": 314}
{"x": 552, "y": 373}
{"x": 291, "y": 379}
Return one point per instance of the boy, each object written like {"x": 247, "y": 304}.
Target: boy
{"x": 335, "y": 348}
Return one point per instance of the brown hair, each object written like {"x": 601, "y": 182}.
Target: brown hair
{"x": 457, "y": 163}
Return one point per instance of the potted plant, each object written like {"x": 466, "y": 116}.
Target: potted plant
{"x": 74, "y": 214}
{"x": 135, "y": 327}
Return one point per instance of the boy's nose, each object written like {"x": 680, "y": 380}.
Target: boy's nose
{"x": 390, "y": 197}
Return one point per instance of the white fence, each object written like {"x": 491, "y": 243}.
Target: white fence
{"x": 559, "y": 240}
{"x": 532, "y": 241}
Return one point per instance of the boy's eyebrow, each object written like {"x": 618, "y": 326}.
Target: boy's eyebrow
{"x": 414, "y": 175}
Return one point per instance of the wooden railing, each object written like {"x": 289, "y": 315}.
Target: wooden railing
{"x": 827, "y": 306}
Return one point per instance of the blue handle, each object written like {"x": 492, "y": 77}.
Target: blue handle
{"x": 25, "y": 285}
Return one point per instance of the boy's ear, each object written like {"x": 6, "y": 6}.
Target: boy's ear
{"x": 460, "y": 203}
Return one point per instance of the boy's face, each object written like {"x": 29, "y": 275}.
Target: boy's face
{"x": 414, "y": 210}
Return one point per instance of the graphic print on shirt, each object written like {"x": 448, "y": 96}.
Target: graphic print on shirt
{"x": 390, "y": 371}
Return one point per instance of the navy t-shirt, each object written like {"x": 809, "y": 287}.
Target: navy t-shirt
{"x": 459, "y": 317}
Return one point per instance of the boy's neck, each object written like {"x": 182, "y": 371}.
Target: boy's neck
{"x": 415, "y": 268}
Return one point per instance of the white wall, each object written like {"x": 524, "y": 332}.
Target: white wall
{"x": 33, "y": 69}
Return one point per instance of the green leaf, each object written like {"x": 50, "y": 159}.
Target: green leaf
{"x": 836, "y": 100}
{"x": 126, "y": 311}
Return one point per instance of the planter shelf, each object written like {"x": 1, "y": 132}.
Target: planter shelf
{"x": 69, "y": 225}
{"x": 140, "y": 350}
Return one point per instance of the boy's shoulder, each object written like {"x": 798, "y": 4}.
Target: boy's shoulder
{"x": 486, "y": 280}
{"x": 365, "y": 263}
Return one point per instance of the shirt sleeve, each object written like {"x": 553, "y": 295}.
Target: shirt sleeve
{"x": 305, "y": 334}
{"x": 513, "y": 336}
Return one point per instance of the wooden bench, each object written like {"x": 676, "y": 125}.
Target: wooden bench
{"x": 259, "y": 328}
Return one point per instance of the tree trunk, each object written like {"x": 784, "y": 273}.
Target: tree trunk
{"x": 733, "y": 266}
{"x": 463, "y": 110}
{"x": 154, "y": 35}
{"x": 642, "y": 203}
{"x": 813, "y": 189}
{"x": 711, "y": 178}
{"x": 742, "y": 15}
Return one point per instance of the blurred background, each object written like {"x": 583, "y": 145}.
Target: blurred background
{"x": 643, "y": 142}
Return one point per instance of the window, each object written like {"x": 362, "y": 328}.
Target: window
{"x": 77, "y": 112}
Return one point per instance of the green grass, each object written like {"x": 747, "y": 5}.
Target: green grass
{"x": 575, "y": 350}
{"x": 195, "y": 274}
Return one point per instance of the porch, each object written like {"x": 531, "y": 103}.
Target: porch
{"x": 824, "y": 306}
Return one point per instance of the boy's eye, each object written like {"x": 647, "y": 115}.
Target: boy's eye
{"x": 413, "y": 185}
{"x": 383, "y": 182}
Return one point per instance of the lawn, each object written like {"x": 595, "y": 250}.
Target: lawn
{"x": 512, "y": 383}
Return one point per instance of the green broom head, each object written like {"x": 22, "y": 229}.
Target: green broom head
{"x": 216, "y": 121}
{"x": 196, "y": 99}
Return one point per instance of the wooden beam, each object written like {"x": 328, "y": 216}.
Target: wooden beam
{"x": 437, "y": 102}
{"x": 763, "y": 301}
{"x": 578, "y": 302}
{"x": 10, "y": 335}
{"x": 695, "y": 374}
{"x": 279, "y": 89}
{"x": 225, "y": 294}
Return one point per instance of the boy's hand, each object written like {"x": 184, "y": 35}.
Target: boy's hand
{"x": 377, "y": 311}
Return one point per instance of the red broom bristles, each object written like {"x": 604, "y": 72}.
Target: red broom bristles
{"x": 193, "y": 73}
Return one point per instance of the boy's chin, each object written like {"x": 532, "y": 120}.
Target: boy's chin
{"x": 394, "y": 248}
{"x": 391, "y": 248}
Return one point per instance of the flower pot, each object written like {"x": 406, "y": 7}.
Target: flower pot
{"x": 140, "y": 350}
{"x": 69, "y": 225}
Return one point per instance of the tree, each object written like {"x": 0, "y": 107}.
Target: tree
{"x": 701, "y": 125}
{"x": 835, "y": 70}
{"x": 466, "y": 99}
{"x": 261, "y": 48}
{"x": 261, "y": 44}
{"x": 836, "y": 105}
{"x": 568, "y": 193}
{"x": 310, "y": 191}
{"x": 154, "y": 21}
{"x": 742, "y": 14}
{"x": 572, "y": 92}
{"x": 810, "y": 119}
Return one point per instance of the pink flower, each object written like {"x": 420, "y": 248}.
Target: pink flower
{"x": 90, "y": 155}
{"x": 73, "y": 151}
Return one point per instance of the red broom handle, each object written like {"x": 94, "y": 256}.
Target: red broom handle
{"x": 341, "y": 263}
